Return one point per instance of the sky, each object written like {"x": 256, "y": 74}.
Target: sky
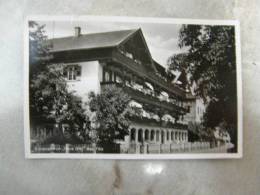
{"x": 162, "y": 39}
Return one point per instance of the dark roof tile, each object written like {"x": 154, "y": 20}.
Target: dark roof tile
{"x": 90, "y": 41}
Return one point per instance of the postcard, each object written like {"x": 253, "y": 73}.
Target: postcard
{"x": 132, "y": 88}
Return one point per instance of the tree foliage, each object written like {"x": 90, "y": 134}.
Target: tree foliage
{"x": 39, "y": 48}
{"x": 210, "y": 62}
{"x": 111, "y": 113}
{"x": 50, "y": 100}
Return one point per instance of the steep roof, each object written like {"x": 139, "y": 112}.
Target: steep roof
{"x": 162, "y": 71}
{"x": 91, "y": 41}
{"x": 160, "y": 68}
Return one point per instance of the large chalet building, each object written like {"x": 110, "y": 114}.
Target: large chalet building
{"x": 122, "y": 59}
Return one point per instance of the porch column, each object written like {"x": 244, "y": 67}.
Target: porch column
{"x": 165, "y": 137}
{"x": 136, "y": 136}
{"x": 143, "y": 134}
{"x": 160, "y": 137}
{"x": 149, "y": 135}
{"x": 178, "y": 136}
{"x": 44, "y": 132}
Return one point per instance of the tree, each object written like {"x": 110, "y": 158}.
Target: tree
{"x": 194, "y": 131}
{"x": 39, "y": 48}
{"x": 49, "y": 99}
{"x": 111, "y": 114}
{"x": 210, "y": 62}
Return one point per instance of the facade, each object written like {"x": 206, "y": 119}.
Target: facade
{"x": 196, "y": 111}
{"x": 122, "y": 59}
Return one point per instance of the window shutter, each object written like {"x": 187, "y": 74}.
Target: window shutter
{"x": 78, "y": 71}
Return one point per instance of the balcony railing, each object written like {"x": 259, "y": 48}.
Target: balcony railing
{"x": 149, "y": 99}
{"x": 149, "y": 76}
{"x": 155, "y": 123}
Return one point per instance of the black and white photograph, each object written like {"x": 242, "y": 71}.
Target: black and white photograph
{"x": 132, "y": 88}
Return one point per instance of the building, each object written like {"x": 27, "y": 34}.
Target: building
{"x": 197, "y": 108}
{"x": 122, "y": 59}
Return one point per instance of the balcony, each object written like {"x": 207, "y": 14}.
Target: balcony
{"x": 155, "y": 123}
{"x": 150, "y": 76}
{"x": 149, "y": 99}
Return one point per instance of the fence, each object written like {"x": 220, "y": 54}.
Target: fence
{"x": 154, "y": 148}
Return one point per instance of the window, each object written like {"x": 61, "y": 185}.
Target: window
{"x": 65, "y": 128}
{"x": 127, "y": 83}
{"x": 72, "y": 72}
{"x": 129, "y": 55}
{"x": 118, "y": 79}
{"x": 107, "y": 76}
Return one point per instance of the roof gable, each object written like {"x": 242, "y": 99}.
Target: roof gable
{"x": 139, "y": 47}
{"x": 106, "y": 40}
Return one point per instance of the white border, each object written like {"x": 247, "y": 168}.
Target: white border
{"x": 30, "y": 155}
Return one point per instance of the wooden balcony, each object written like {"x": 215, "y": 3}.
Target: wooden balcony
{"x": 149, "y": 99}
{"x": 149, "y": 76}
{"x": 155, "y": 123}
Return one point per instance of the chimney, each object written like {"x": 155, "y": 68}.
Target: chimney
{"x": 77, "y": 31}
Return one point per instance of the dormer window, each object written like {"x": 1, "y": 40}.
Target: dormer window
{"x": 72, "y": 72}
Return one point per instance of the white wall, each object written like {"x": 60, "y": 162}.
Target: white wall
{"x": 197, "y": 110}
{"x": 191, "y": 115}
{"x": 200, "y": 110}
{"x": 91, "y": 75}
